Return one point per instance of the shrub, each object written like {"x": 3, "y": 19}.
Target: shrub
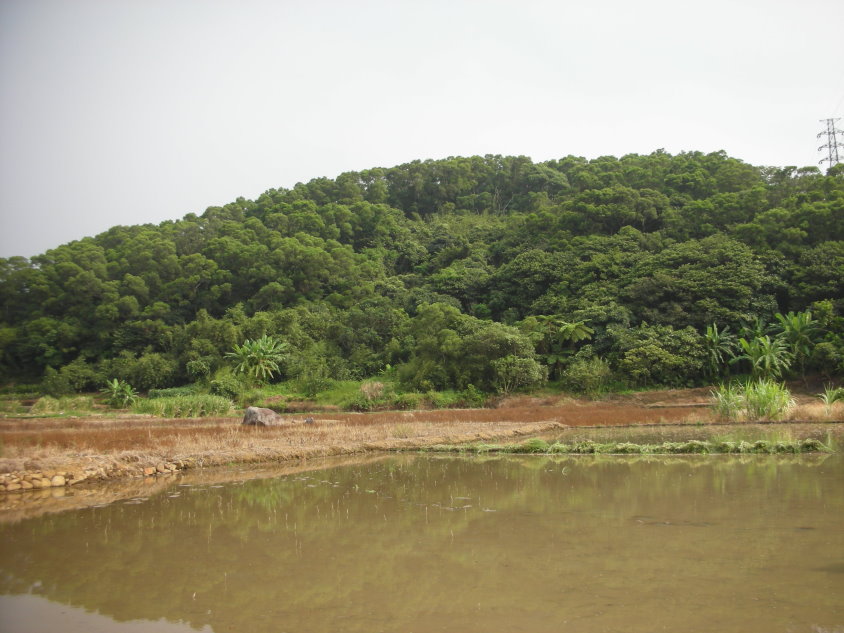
{"x": 405, "y": 401}
{"x": 194, "y": 406}
{"x": 513, "y": 372}
{"x": 472, "y": 397}
{"x": 358, "y": 402}
{"x": 588, "y": 375}
{"x": 187, "y": 390}
{"x": 225, "y": 384}
{"x": 149, "y": 371}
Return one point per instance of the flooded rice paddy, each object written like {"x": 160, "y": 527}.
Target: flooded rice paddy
{"x": 420, "y": 543}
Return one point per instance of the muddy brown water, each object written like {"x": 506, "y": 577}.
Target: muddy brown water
{"x": 422, "y": 543}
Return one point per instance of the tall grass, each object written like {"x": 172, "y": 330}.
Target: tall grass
{"x": 195, "y": 406}
{"x": 171, "y": 392}
{"x": 753, "y": 401}
{"x": 728, "y": 401}
{"x": 767, "y": 400}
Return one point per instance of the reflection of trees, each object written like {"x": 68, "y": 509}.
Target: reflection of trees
{"x": 392, "y": 540}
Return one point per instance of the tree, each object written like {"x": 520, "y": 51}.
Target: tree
{"x": 512, "y": 372}
{"x": 259, "y": 358}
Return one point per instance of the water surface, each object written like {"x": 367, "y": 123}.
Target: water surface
{"x": 423, "y": 544}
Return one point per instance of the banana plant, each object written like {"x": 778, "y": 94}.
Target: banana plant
{"x": 768, "y": 357}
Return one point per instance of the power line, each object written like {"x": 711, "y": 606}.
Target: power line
{"x": 832, "y": 143}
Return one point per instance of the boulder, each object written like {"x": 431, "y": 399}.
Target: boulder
{"x": 256, "y": 416}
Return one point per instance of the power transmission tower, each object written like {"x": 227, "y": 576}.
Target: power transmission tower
{"x": 832, "y": 143}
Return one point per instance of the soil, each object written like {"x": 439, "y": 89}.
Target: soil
{"x": 107, "y": 448}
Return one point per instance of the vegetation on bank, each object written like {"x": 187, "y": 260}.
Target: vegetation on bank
{"x": 485, "y": 274}
{"x": 588, "y": 447}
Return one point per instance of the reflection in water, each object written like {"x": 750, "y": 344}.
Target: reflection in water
{"x": 34, "y": 614}
{"x": 451, "y": 544}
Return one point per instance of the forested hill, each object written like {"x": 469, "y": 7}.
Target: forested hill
{"x": 441, "y": 269}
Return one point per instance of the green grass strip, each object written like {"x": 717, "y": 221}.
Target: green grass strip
{"x": 538, "y": 446}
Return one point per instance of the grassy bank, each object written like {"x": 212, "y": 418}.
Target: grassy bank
{"x": 589, "y": 447}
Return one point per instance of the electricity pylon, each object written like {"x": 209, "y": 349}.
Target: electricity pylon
{"x": 832, "y": 143}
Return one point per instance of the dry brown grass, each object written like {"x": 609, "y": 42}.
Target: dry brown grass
{"x": 815, "y": 411}
{"x": 116, "y": 447}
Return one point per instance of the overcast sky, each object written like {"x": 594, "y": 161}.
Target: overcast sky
{"x": 136, "y": 111}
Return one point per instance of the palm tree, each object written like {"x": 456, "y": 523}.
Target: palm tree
{"x": 260, "y": 358}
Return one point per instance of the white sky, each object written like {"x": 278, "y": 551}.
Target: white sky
{"x": 135, "y": 111}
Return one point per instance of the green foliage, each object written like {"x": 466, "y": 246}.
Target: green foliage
{"x": 659, "y": 355}
{"x": 259, "y": 359}
{"x": 768, "y": 357}
{"x": 719, "y": 346}
{"x": 150, "y": 370}
{"x": 119, "y": 394}
{"x": 513, "y": 373}
{"x": 67, "y": 404}
{"x": 728, "y": 401}
{"x": 587, "y": 375}
{"x": 187, "y": 390}
{"x": 314, "y": 376}
{"x": 689, "y": 447}
{"x": 192, "y": 406}
{"x": 227, "y": 385}
{"x": 755, "y": 400}
{"x": 427, "y": 266}
{"x": 830, "y": 396}
{"x": 798, "y": 332}
{"x": 767, "y": 400}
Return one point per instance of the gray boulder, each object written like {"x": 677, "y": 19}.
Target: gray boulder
{"x": 256, "y": 416}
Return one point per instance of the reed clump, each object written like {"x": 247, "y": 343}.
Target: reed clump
{"x": 753, "y": 401}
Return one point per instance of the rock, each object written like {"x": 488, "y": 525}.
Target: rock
{"x": 161, "y": 468}
{"x": 40, "y": 483}
{"x": 26, "y": 485}
{"x": 11, "y": 487}
{"x": 57, "y": 480}
{"x": 256, "y": 416}
{"x": 149, "y": 471}
{"x": 309, "y": 420}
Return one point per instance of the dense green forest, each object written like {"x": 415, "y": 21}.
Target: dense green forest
{"x": 495, "y": 272}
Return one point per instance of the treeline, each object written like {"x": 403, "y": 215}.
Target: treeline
{"x": 488, "y": 271}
